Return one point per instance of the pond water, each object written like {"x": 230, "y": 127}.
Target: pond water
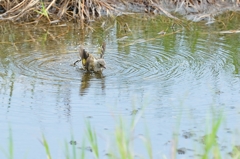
{"x": 178, "y": 82}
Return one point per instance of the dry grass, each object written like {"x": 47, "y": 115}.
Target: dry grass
{"x": 52, "y": 10}
{"x": 85, "y": 10}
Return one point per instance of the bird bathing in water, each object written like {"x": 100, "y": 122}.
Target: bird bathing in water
{"x": 89, "y": 62}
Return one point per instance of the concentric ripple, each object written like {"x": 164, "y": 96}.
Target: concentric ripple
{"x": 147, "y": 62}
{"x": 183, "y": 75}
{"x": 142, "y": 62}
{"x": 46, "y": 66}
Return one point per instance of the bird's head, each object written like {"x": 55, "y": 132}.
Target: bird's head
{"x": 101, "y": 63}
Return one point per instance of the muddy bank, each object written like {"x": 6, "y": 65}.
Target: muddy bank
{"x": 78, "y": 10}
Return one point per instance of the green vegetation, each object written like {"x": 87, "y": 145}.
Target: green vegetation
{"x": 122, "y": 146}
{"x": 44, "y": 12}
{"x": 210, "y": 140}
{"x": 122, "y": 143}
{"x": 9, "y": 154}
{"x": 92, "y": 138}
{"x": 45, "y": 145}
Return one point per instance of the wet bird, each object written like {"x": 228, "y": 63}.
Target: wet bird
{"x": 89, "y": 62}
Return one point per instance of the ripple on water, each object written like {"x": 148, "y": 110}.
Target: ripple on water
{"x": 145, "y": 62}
{"x": 46, "y": 66}
{"x": 151, "y": 63}
{"x": 135, "y": 66}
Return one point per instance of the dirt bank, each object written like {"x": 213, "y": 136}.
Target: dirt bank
{"x": 85, "y": 10}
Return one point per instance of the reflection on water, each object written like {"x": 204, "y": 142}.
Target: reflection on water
{"x": 87, "y": 77}
{"x": 186, "y": 74}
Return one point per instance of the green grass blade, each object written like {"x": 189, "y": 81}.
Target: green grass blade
{"x": 9, "y": 154}
{"x": 10, "y": 148}
{"x": 82, "y": 155}
{"x": 73, "y": 148}
{"x": 45, "y": 144}
{"x": 67, "y": 156}
{"x": 92, "y": 138}
{"x": 211, "y": 141}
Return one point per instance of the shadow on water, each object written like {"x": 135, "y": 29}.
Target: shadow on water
{"x": 184, "y": 72}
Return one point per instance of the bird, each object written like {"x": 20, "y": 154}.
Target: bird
{"x": 89, "y": 62}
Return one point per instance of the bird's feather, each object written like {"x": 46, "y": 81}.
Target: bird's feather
{"x": 89, "y": 62}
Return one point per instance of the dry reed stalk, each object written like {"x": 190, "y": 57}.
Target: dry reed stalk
{"x": 84, "y": 10}
{"x": 62, "y": 9}
{"x": 18, "y": 10}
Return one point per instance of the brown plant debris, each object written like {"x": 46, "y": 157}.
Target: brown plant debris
{"x": 86, "y": 10}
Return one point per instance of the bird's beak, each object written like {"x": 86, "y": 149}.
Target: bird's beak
{"x": 104, "y": 67}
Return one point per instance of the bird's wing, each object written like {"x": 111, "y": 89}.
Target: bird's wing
{"x": 83, "y": 55}
{"x": 81, "y": 52}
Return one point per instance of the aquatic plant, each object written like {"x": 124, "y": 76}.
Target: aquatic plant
{"x": 9, "y": 154}
{"x": 210, "y": 140}
{"x": 92, "y": 138}
{"x": 46, "y": 147}
{"x": 122, "y": 145}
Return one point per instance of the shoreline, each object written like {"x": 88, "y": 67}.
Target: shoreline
{"x": 55, "y": 11}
